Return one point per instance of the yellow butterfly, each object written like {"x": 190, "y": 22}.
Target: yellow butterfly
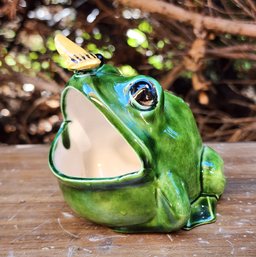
{"x": 76, "y": 58}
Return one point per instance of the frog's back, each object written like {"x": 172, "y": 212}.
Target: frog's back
{"x": 184, "y": 143}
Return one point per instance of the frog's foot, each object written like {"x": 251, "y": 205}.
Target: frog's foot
{"x": 203, "y": 209}
{"x": 212, "y": 178}
{"x": 202, "y": 212}
{"x": 173, "y": 207}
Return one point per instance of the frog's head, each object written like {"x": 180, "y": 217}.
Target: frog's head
{"x": 111, "y": 122}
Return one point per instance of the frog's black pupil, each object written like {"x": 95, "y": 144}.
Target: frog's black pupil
{"x": 144, "y": 93}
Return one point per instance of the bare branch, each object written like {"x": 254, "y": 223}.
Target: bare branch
{"x": 231, "y": 55}
{"x": 172, "y": 12}
{"x": 172, "y": 75}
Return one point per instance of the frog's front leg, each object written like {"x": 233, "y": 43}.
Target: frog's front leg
{"x": 172, "y": 207}
{"x": 203, "y": 209}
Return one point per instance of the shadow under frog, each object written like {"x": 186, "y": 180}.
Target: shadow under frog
{"x": 179, "y": 180}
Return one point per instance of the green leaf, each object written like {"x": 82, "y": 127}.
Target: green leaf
{"x": 136, "y": 38}
{"x": 36, "y": 66}
{"x": 128, "y": 71}
{"x": 33, "y": 55}
{"x": 92, "y": 47}
{"x": 10, "y": 60}
{"x": 168, "y": 64}
{"x": 50, "y": 44}
{"x": 86, "y": 36}
{"x": 145, "y": 27}
{"x": 156, "y": 61}
{"x": 45, "y": 65}
{"x": 160, "y": 44}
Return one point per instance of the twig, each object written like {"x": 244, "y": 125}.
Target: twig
{"x": 252, "y": 5}
{"x": 216, "y": 52}
{"x": 244, "y": 8}
{"x": 234, "y": 48}
{"x": 245, "y": 82}
{"x": 171, "y": 76}
{"x": 9, "y": 8}
{"x": 250, "y": 127}
{"x": 60, "y": 71}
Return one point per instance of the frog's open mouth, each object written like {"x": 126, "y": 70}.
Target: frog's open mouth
{"x": 97, "y": 149}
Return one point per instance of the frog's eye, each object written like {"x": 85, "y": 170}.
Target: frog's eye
{"x": 143, "y": 95}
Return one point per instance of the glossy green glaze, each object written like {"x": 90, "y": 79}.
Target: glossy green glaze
{"x": 181, "y": 180}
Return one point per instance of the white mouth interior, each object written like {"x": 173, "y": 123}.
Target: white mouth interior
{"x": 96, "y": 148}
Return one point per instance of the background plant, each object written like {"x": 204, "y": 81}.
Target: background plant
{"x": 204, "y": 51}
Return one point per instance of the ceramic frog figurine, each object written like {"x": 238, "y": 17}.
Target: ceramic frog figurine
{"x": 179, "y": 181}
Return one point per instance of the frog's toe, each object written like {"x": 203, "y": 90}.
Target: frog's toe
{"x": 203, "y": 211}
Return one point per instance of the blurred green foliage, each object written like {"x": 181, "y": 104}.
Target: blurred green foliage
{"x": 32, "y": 73}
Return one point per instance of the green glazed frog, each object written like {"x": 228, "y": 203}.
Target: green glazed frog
{"x": 128, "y": 154}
